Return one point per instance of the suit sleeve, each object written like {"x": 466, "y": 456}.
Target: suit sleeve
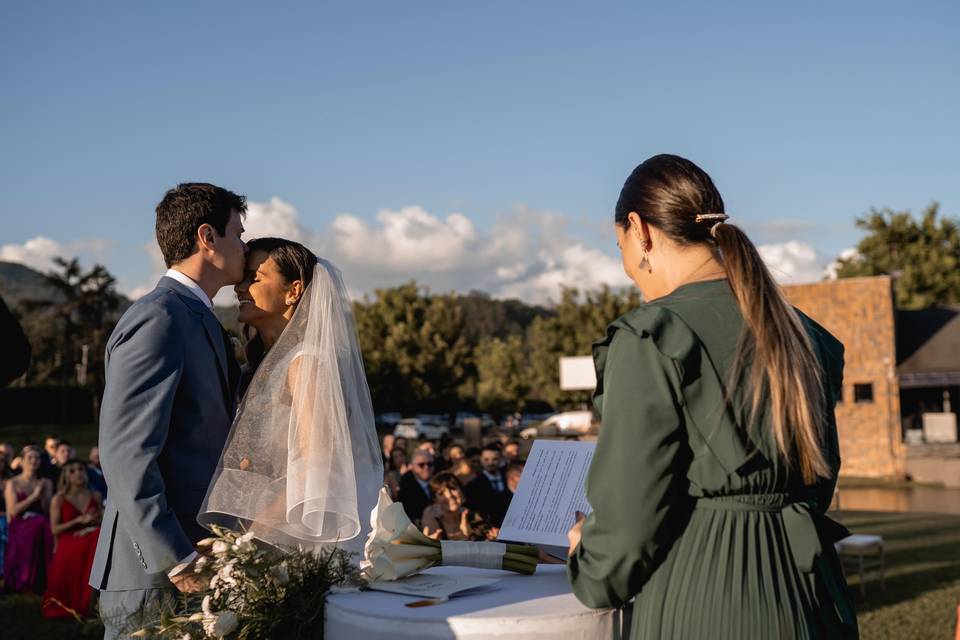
{"x": 145, "y": 363}
{"x": 633, "y": 481}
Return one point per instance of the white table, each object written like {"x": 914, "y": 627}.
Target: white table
{"x": 522, "y": 607}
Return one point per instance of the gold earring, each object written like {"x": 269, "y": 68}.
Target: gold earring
{"x": 644, "y": 257}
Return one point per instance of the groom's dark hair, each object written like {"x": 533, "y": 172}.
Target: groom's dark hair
{"x": 184, "y": 209}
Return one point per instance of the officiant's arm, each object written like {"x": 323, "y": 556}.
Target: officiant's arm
{"x": 146, "y": 359}
{"x": 633, "y": 481}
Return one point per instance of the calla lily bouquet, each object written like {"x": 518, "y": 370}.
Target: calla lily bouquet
{"x": 396, "y": 548}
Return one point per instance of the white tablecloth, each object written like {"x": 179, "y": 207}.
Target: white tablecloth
{"x": 522, "y": 607}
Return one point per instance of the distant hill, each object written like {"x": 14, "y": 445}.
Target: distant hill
{"x": 19, "y": 283}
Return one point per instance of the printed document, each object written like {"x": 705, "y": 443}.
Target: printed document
{"x": 551, "y": 491}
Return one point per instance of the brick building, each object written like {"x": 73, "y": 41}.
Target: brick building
{"x": 860, "y": 313}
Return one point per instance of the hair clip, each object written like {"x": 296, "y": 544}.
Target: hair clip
{"x": 710, "y": 216}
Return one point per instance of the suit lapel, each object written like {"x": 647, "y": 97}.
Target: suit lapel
{"x": 211, "y": 326}
{"x": 215, "y": 335}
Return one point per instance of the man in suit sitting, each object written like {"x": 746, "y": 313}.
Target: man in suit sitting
{"x": 415, "y": 485}
{"x": 488, "y": 494}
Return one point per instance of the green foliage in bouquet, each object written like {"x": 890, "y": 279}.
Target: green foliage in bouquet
{"x": 255, "y": 591}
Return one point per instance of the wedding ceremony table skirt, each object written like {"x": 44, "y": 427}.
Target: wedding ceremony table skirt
{"x": 537, "y": 606}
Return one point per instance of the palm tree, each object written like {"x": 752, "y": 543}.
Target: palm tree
{"x": 86, "y": 315}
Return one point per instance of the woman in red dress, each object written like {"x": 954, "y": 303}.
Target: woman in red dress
{"x": 75, "y": 519}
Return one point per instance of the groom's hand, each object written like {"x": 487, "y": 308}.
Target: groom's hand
{"x": 189, "y": 582}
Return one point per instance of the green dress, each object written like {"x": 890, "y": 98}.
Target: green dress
{"x": 695, "y": 515}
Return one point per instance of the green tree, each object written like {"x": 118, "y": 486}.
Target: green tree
{"x": 414, "y": 349}
{"x": 923, "y": 255}
{"x": 486, "y": 317}
{"x": 68, "y": 330}
{"x": 571, "y": 331}
{"x": 503, "y": 380}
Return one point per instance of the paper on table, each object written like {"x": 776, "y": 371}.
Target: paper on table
{"x": 552, "y": 489}
{"x": 431, "y": 586}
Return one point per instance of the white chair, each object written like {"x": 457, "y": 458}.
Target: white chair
{"x": 862, "y": 552}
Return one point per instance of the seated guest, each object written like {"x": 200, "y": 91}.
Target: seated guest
{"x": 7, "y": 449}
{"x": 488, "y": 493}
{"x": 29, "y": 543}
{"x": 427, "y": 445}
{"x": 95, "y": 479}
{"x": 65, "y": 452}
{"x": 400, "y": 442}
{"x": 50, "y": 445}
{"x": 387, "y": 448}
{"x": 49, "y": 468}
{"x": 513, "y": 472}
{"x": 394, "y": 470}
{"x": 511, "y": 452}
{"x": 4, "y": 474}
{"x": 415, "y": 485}
{"x": 447, "y": 518}
{"x": 459, "y": 464}
{"x": 75, "y": 519}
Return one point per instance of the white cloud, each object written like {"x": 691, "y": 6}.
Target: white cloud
{"x": 574, "y": 266}
{"x": 793, "y": 262}
{"x": 158, "y": 268}
{"x": 409, "y": 238}
{"x": 527, "y": 254}
{"x": 524, "y": 254}
{"x": 849, "y": 253}
{"x": 277, "y": 219}
{"x": 38, "y": 253}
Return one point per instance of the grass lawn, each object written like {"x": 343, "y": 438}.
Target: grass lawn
{"x": 81, "y": 436}
{"x": 922, "y": 575}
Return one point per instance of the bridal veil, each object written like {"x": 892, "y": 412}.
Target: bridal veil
{"x": 302, "y": 465}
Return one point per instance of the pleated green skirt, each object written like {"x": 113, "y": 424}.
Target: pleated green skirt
{"x": 734, "y": 573}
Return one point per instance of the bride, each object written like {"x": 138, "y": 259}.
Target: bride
{"x": 301, "y": 467}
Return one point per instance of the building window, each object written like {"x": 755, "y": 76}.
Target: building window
{"x": 863, "y": 392}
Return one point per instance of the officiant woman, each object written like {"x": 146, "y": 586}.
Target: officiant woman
{"x": 717, "y": 455}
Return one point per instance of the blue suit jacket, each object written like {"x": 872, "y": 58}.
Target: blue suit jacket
{"x": 166, "y": 413}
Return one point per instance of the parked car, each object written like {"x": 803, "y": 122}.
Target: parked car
{"x": 415, "y": 428}
{"x": 387, "y": 420}
{"x": 530, "y": 432}
{"x": 570, "y": 422}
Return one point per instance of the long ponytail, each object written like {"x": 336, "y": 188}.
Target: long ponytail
{"x": 784, "y": 364}
{"x": 774, "y": 350}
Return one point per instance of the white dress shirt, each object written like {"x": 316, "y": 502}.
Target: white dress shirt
{"x": 189, "y": 283}
{"x": 495, "y": 480}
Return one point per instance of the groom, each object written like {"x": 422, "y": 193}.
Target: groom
{"x": 167, "y": 408}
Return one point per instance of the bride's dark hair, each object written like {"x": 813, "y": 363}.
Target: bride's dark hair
{"x": 294, "y": 262}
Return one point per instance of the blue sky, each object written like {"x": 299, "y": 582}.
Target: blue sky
{"x": 508, "y": 114}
